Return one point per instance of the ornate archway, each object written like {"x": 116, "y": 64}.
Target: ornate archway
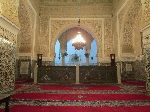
{"x": 93, "y": 27}
{"x": 65, "y": 47}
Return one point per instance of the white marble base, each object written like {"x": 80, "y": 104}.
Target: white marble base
{"x": 77, "y": 74}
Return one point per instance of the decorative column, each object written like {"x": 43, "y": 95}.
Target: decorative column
{"x": 77, "y": 74}
{"x": 87, "y": 53}
{"x": 63, "y": 45}
{"x": 87, "y": 58}
{"x": 119, "y": 72}
{"x": 63, "y": 57}
{"x": 146, "y": 50}
{"x": 148, "y": 74}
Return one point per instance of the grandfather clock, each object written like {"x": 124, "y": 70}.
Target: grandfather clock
{"x": 39, "y": 60}
{"x": 112, "y": 58}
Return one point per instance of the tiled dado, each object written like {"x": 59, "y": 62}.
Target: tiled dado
{"x": 8, "y": 37}
{"x": 7, "y": 65}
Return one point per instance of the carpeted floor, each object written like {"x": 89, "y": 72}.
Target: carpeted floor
{"x": 81, "y": 97}
{"x": 128, "y": 97}
{"x": 22, "y": 108}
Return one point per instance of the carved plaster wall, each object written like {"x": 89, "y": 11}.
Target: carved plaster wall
{"x": 146, "y": 12}
{"x": 129, "y": 26}
{"x": 146, "y": 54}
{"x": 117, "y": 4}
{"x": 36, "y": 5}
{"x": 96, "y": 27}
{"x": 74, "y": 8}
{"x": 27, "y": 27}
{"x": 108, "y": 38}
{"x": 127, "y": 18}
{"x": 120, "y": 8}
{"x": 43, "y": 39}
{"x": 9, "y": 9}
{"x": 58, "y": 16}
{"x": 93, "y": 26}
{"x": 146, "y": 39}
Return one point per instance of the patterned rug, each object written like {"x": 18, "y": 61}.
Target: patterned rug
{"x": 81, "y": 98}
{"x": 25, "y": 108}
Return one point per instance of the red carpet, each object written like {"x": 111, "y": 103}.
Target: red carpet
{"x": 78, "y": 109}
{"x": 18, "y": 86}
{"x": 87, "y": 87}
{"x": 84, "y": 97}
{"x": 23, "y": 81}
{"x": 65, "y": 99}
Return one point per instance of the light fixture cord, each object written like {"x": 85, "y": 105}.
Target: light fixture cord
{"x": 79, "y": 12}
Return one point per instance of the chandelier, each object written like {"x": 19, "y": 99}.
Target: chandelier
{"x": 78, "y": 42}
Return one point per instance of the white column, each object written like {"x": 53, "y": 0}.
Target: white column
{"x": 87, "y": 57}
{"x": 118, "y": 73}
{"x": 63, "y": 57}
{"x": 63, "y": 45}
{"x": 87, "y": 61}
{"x": 77, "y": 74}
{"x": 63, "y": 60}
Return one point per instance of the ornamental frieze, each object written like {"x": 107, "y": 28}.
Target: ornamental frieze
{"x": 74, "y": 11}
{"x": 5, "y": 33}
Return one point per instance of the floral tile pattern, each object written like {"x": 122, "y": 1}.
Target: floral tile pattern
{"x": 7, "y": 65}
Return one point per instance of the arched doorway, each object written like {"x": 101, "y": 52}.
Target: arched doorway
{"x": 66, "y": 54}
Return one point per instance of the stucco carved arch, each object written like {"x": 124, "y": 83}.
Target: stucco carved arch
{"x": 90, "y": 29}
{"x": 127, "y": 24}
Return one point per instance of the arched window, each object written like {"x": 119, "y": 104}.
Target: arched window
{"x": 57, "y": 53}
{"x": 93, "y": 53}
{"x": 74, "y": 57}
{"x": 79, "y": 55}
